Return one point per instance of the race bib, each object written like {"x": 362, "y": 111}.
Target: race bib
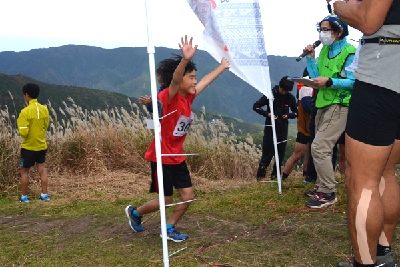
{"x": 183, "y": 125}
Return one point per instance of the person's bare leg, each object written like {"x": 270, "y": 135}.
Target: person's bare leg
{"x": 390, "y": 196}
{"x": 305, "y": 163}
{"x": 365, "y": 208}
{"x": 299, "y": 150}
{"x": 24, "y": 180}
{"x": 43, "y": 176}
{"x": 186, "y": 195}
{"x": 153, "y": 205}
{"x": 342, "y": 159}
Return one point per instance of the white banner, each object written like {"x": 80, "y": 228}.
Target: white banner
{"x": 234, "y": 30}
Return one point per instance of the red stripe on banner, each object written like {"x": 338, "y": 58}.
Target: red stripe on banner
{"x": 214, "y": 5}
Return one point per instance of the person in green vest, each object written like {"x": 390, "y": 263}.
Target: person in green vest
{"x": 335, "y": 84}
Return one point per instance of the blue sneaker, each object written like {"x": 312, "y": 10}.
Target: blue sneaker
{"x": 134, "y": 222}
{"x": 24, "y": 199}
{"x": 45, "y": 198}
{"x": 174, "y": 235}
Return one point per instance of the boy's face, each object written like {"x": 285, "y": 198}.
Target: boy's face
{"x": 159, "y": 80}
{"x": 188, "y": 84}
{"x": 282, "y": 92}
{"x": 27, "y": 98}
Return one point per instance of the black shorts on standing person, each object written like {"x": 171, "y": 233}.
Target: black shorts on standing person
{"x": 283, "y": 101}
{"x": 29, "y": 158}
{"x": 302, "y": 138}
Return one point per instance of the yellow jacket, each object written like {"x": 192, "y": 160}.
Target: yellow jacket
{"x": 32, "y": 124}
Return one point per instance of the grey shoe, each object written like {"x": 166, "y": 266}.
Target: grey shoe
{"x": 381, "y": 261}
{"x": 386, "y": 261}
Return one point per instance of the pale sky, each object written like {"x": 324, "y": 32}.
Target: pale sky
{"x": 289, "y": 25}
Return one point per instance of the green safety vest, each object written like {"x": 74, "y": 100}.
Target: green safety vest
{"x": 331, "y": 68}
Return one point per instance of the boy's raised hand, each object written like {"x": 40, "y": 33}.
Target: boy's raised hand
{"x": 225, "y": 63}
{"x": 187, "y": 50}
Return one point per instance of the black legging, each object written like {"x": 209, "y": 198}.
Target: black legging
{"x": 268, "y": 152}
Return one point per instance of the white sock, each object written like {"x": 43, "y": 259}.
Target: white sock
{"x": 22, "y": 196}
{"x": 43, "y": 195}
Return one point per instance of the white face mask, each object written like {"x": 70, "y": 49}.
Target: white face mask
{"x": 326, "y": 38}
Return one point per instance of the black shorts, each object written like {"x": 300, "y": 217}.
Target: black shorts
{"x": 302, "y": 138}
{"x": 341, "y": 139}
{"x": 29, "y": 157}
{"x": 173, "y": 176}
{"x": 374, "y": 115}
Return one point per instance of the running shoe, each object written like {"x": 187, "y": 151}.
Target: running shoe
{"x": 24, "y": 199}
{"x": 311, "y": 193}
{"x": 387, "y": 260}
{"x": 321, "y": 200}
{"x": 134, "y": 222}
{"x": 45, "y": 198}
{"x": 381, "y": 261}
{"x": 174, "y": 235}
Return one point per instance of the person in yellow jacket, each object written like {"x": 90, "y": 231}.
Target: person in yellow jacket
{"x": 32, "y": 125}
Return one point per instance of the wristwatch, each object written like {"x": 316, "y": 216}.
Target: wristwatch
{"x": 329, "y": 83}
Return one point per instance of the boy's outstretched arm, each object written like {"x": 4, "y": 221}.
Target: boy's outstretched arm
{"x": 187, "y": 53}
{"x": 209, "y": 78}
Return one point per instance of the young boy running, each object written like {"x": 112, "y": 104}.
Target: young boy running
{"x": 32, "y": 125}
{"x": 178, "y": 97}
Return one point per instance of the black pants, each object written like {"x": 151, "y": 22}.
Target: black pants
{"x": 268, "y": 152}
{"x": 311, "y": 172}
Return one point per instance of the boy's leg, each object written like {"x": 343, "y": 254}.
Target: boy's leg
{"x": 135, "y": 214}
{"x": 305, "y": 163}
{"x": 299, "y": 150}
{"x": 43, "y": 176}
{"x": 153, "y": 206}
{"x": 24, "y": 180}
{"x": 186, "y": 195}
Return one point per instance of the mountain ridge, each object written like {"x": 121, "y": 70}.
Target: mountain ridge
{"x": 125, "y": 70}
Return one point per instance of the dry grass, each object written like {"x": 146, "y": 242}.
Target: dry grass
{"x": 104, "y": 151}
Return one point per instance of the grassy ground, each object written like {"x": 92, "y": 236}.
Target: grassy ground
{"x": 90, "y": 228}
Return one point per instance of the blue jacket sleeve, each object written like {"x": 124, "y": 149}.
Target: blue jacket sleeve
{"x": 312, "y": 67}
{"x": 150, "y": 107}
{"x": 350, "y": 79}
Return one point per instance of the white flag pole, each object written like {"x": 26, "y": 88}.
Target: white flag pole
{"x": 157, "y": 133}
{"x": 278, "y": 169}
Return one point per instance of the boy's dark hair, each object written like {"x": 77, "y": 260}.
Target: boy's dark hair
{"x": 166, "y": 68}
{"x": 285, "y": 84}
{"x": 32, "y": 89}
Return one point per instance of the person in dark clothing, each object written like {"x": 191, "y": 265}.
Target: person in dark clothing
{"x": 283, "y": 100}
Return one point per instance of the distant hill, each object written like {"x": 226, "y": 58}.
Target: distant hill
{"x": 126, "y": 71}
{"x": 90, "y": 99}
